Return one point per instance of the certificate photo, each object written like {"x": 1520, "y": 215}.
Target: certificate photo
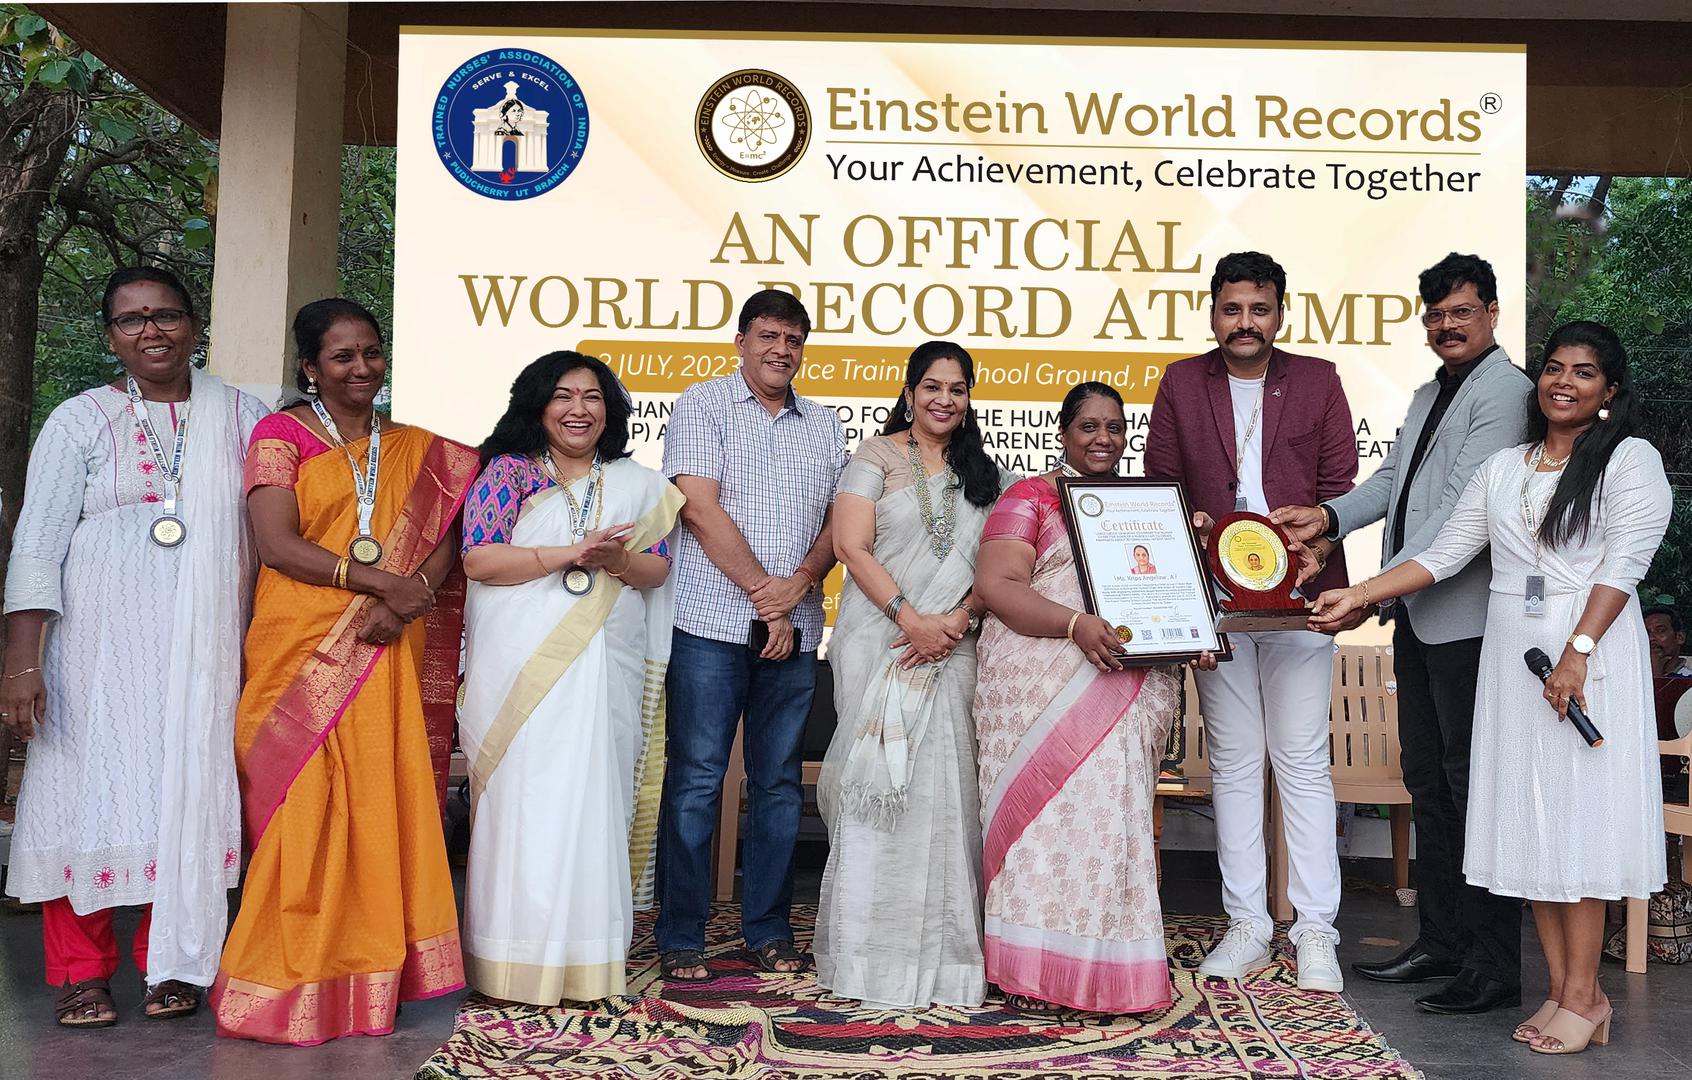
{"x": 1141, "y": 567}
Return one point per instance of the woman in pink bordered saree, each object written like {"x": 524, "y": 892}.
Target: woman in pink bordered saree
{"x": 1069, "y": 747}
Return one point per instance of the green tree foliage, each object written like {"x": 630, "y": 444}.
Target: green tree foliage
{"x": 1627, "y": 262}
{"x": 135, "y": 185}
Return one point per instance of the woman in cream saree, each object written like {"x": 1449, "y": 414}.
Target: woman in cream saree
{"x": 899, "y": 923}
{"x": 563, "y": 713}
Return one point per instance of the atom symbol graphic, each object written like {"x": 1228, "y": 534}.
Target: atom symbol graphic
{"x": 754, "y": 119}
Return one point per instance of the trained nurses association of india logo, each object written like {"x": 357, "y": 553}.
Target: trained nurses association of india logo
{"x": 510, "y": 124}
{"x": 752, "y": 125}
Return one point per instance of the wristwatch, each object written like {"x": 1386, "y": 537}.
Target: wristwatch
{"x": 974, "y": 623}
{"x": 1582, "y": 643}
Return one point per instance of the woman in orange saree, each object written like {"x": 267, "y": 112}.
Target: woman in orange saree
{"x": 348, "y": 904}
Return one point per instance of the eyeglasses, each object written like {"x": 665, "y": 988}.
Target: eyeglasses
{"x": 131, "y": 325}
{"x": 1457, "y": 316}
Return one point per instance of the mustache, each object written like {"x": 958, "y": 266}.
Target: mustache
{"x": 1451, "y": 337}
{"x": 1245, "y": 335}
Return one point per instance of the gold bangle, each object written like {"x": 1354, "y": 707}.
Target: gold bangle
{"x": 425, "y": 579}
{"x": 339, "y": 579}
{"x": 1070, "y": 632}
{"x": 1364, "y": 585}
{"x": 536, "y": 553}
{"x": 21, "y": 674}
{"x": 628, "y": 557}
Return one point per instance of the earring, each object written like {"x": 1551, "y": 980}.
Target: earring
{"x": 909, "y": 415}
{"x": 1604, "y": 413}
{"x": 311, "y": 386}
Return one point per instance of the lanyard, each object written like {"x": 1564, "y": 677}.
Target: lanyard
{"x": 589, "y": 503}
{"x": 1530, "y": 518}
{"x": 172, "y": 469}
{"x": 365, "y": 482}
{"x": 1251, "y": 428}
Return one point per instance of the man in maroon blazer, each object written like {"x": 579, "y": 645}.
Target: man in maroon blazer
{"x": 1247, "y": 426}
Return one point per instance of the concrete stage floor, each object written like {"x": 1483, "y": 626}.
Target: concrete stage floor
{"x": 1652, "y": 1036}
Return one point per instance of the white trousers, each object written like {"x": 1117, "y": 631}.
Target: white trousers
{"x": 1271, "y": 700}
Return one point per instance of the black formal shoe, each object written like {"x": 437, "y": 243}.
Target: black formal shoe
{"x": 1471, "y": 993}
{"x": 1413, "y": 965}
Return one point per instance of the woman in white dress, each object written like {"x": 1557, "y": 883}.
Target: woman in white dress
{"x": 899, "y": 923}
{"x": 140, "y": 585}
{"x": 567, "y": 626}
{"x": 1574, "y": 518}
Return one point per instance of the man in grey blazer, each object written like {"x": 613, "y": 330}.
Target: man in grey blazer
{"x": 1475, "y": 405}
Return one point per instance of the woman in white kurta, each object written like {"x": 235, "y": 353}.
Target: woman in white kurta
{"x": 567, "y": 625}
{"x": 1574, "y": 518}
{"x": 129, "y": 794}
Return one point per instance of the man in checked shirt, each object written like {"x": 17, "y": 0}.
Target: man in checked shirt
{"x": 758, "y": 464}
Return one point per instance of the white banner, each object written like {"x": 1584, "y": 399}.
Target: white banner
{"x": 1055, "y": 206}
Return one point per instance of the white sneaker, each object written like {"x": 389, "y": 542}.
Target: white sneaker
{"x": 1239, "y": 951}
{"x": 1318, "y": 964}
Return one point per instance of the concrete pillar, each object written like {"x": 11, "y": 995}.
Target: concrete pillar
{"x": 279, "y": 184}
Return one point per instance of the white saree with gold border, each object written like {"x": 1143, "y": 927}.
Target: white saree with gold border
{"x": 563, "y": 725}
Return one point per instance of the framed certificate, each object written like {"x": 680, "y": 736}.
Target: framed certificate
{"x": 1141, "y": 567}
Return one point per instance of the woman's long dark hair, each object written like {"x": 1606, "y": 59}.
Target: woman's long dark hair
{"x": 964, "y": 452}
{"x": 519, "y": 431}
{"x": 1569, "y": 514}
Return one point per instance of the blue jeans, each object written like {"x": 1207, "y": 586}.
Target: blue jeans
{"x": 711, "y": 684}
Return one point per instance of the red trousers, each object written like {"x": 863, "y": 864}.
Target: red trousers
{"x": 83, "y": 946}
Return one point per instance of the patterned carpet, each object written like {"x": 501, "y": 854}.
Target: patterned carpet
{"x": 781, "y": 1027}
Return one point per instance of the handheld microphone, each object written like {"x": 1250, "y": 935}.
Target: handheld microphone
{"x": 1540, "y": 665}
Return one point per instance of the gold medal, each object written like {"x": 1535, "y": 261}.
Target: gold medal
{"x": 366, "y": 550}
{"x": 1124, "y": 635}
{"x": 169, "y": 531}
{"x": 577, "y": 581}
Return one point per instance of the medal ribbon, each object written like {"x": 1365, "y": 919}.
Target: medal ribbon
{"x": 589, "y": 503}
{"x": 172, "y": 469}
{"x": 364, "y": 482}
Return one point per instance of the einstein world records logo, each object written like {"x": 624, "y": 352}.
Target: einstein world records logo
{"x": 510, "y": 124}
{"x": 752, "y": 125}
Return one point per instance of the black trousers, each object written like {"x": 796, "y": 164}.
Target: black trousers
{"x": 1436, "y": 713}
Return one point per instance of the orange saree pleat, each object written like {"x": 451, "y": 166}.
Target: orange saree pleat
{"x": 347, "y": 908}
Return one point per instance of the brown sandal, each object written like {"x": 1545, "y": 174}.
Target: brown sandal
{"x": 87, "y": 1004}
{"x": 170, "y": 999}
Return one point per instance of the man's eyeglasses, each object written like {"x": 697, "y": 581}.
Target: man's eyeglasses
{"x": 131, "y": 325}
{"x": 1457, "y": 316}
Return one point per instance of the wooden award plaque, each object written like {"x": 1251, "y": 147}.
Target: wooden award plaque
{"x": 1249, "y": 556}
